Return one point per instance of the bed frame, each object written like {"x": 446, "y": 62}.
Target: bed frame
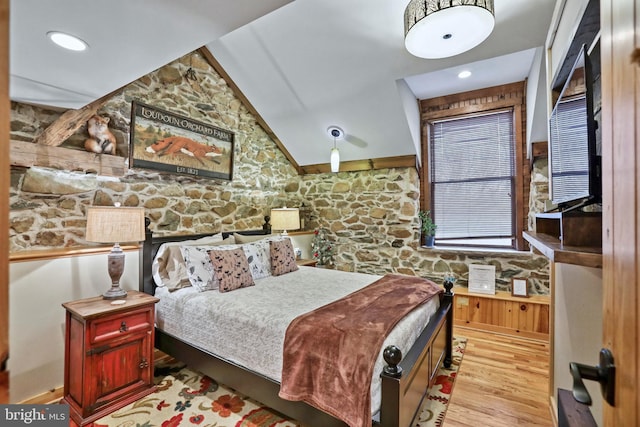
{"x": 405, "y": 379}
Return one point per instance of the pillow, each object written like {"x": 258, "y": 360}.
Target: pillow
{"x": 231, "y": 269}
{"x": 171, "y": 270}
{"x": 240, "y": 238}
{"x": 198, "y": 265}
{"x": 259, "y": 258}
{"x": 283, "y": 258}
{"x": 168, "y": 269}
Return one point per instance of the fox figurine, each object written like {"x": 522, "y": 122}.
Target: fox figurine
{"x": 100, "y": 140}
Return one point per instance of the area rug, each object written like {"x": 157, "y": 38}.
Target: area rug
{"x": 188, "y": 398}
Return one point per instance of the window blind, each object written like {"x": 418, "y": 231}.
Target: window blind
{"x": 472, "y": 176}
{"x": 570, "y": 157}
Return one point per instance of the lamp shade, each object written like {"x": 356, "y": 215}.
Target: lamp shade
{"x": 335, "y": 160}
{"x": 285, "y": 219}
{"x": 108, "y": 224}
{"x": 440, "y": 29}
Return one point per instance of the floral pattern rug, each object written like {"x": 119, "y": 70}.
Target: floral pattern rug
{"x": 187, "y": 398}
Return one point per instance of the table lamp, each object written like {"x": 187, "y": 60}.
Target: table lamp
{"x": 285, "y": 219}
{"x": 115, "y": 224}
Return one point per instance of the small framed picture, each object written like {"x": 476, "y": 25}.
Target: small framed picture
{"x": 482, "y": 279}
{"x": 519, "y": 287}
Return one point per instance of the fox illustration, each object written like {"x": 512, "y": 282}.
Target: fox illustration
{"x": 100, "y": 140}
{"x": 174, "y": 144}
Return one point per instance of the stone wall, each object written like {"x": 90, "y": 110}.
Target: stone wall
{"x": 48, "y": 206}
{"x": 539, "y": 189}
{"x": 372, "y": 219}
{"x": 370, "y": 216}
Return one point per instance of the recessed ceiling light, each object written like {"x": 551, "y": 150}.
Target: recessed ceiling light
{"x": 464, "y": 74}
{"x": 67, "y": 41}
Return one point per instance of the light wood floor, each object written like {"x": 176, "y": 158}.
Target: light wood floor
{"x": 503, "y": 381}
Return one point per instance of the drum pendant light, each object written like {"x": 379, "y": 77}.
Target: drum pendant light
{"x": 440, "y": 29}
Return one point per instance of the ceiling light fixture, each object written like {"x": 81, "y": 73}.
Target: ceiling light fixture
{"x": 464, "y": 74}
{"x": 336, "y": 133}
{"x": 440, "y": 29}
{"x": 67, "y": 41}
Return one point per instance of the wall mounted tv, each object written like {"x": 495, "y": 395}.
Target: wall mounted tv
{"x": 574, "y": 161}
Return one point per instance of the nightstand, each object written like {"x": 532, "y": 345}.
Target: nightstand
{"x": 307, "y": 262}
{"x": 108, "y": 354}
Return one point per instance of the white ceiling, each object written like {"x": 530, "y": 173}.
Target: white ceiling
{"x": 304, "y": 65}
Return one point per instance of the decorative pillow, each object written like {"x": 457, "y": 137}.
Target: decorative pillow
{"x": 168, "y": 268}
{"x": 283, "y": 257}
{"x": 259, "y": 258}
{"x": 231, "y": 269}
{"x": 198, "y": 265}
{"x": 171, "y": 270}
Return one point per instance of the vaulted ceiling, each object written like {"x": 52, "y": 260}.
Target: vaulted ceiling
{"x": 304, "y": 65}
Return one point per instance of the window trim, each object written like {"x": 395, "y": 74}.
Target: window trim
{"x": 497, "y": 98}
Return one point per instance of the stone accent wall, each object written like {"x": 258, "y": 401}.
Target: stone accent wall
{"x": 48, "y": 206}
{"x": 371, "y": 216}
{"x": 539, "y": 190}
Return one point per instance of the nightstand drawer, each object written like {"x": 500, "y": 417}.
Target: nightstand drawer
{"x": 112, "y": 327}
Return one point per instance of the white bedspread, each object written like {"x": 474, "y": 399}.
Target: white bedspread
{"x": 247, "y": 326}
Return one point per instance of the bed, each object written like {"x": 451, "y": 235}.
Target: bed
{"x": 396, "y": 393}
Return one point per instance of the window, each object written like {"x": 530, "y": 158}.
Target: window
{"x": 475, "y": 178}
{"x": 472, "y": 173}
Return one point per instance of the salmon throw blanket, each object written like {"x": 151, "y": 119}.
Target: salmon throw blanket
{"x": 330, "y": 353}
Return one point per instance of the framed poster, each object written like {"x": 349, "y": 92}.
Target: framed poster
{"x": 482, "y": 279}
{"x": 168, "y": 142}
{"x": 519, "y": 287}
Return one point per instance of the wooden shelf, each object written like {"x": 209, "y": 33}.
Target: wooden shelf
{"x": 552, "y": 248}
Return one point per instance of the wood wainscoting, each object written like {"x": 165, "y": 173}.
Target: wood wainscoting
{"x": 503, "y": 313}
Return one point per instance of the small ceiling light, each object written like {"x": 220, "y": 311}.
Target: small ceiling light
{"x": 336, "y": 133}
{"x": 440, "y": 29}
{"x": 464, "y": 74}
{"x": 67, "y": 41}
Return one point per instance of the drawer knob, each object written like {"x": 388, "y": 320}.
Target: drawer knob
{"x": 124, "y": 327}
{"x": 144, "y": 363}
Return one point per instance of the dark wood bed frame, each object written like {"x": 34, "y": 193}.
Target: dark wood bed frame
{"x": 405, "y": 379}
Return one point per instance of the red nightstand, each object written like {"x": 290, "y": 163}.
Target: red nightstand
{"x": 108, "y": 354}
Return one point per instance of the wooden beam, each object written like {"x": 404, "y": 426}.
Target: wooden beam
{"x": 409, "y": 161}
{"x": 27, "y": 154}
{"x": 206, "y": 53}
{"x": 57, "y": 253}
{"x": 539, "y": 149}
{"x": 70, "y": 121}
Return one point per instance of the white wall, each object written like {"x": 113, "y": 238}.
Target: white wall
{"x": 37, "y": 290}
{"x": 537, "y": 118}
{"x": 412, "y": 112}
{"x": 577, "y": 326}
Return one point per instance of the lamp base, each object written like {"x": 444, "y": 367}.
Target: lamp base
{"x": 116, "y": 267}
{"x": 115, "y": 292}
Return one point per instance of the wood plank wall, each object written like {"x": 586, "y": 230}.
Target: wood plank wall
{"x": 511, "y": 95}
